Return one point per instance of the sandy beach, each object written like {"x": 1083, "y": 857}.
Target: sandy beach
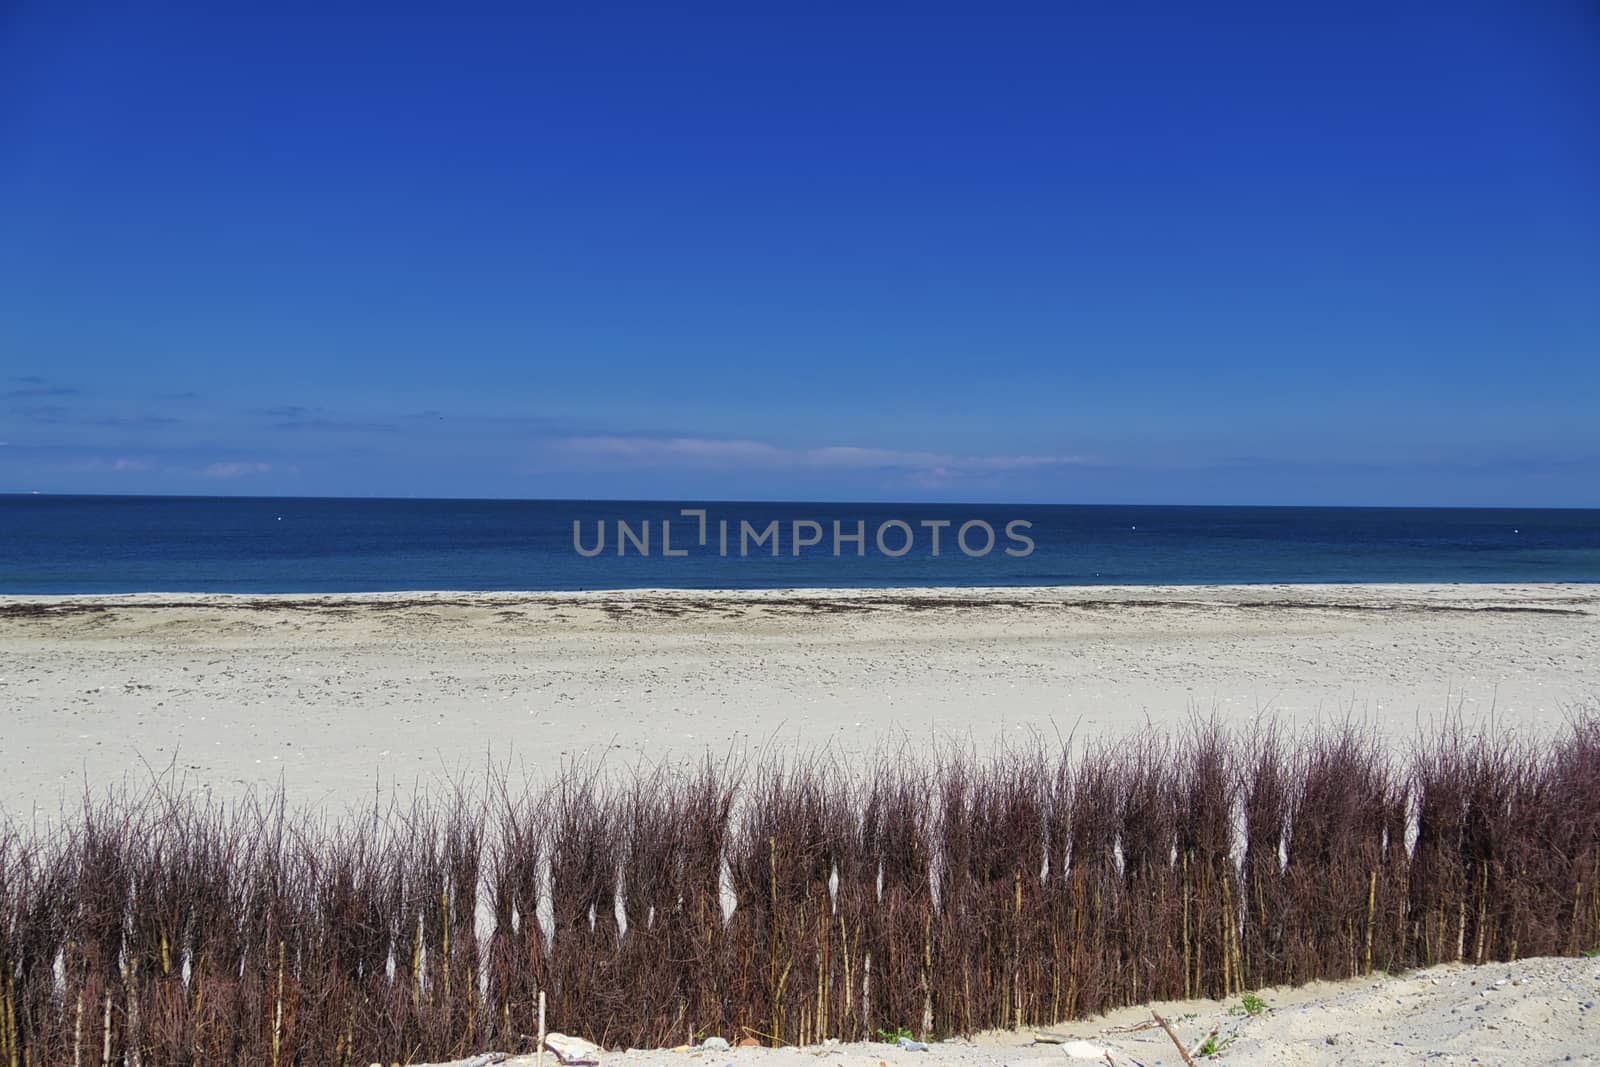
{"x": 335, "y": 696}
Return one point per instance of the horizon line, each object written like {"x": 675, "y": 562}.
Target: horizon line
{"x": 686, "y": 500}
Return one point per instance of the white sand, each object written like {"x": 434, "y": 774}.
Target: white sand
{"x": 334, "y": 695}
{"x": 1532, "y": 1012}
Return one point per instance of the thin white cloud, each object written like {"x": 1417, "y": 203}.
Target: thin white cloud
{"x": 121, "y": 465}
{"x": 666, "y": 451}
{"x": 235, "y": 470}
{"x": 928, "y": 468}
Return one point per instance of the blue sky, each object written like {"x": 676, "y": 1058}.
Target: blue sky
{"x": 1245, "y": 257}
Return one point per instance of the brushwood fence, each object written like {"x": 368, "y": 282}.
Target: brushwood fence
{"x": 789, "y": 899}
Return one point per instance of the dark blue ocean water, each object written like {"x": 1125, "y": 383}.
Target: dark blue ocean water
{"x": 64, "y": 544}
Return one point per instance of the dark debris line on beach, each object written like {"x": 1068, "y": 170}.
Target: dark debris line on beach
{"x": 943, "y": 897}
{"x": 629, "y": 605}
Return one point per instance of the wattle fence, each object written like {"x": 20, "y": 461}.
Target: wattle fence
{"x": 790, "y": 899}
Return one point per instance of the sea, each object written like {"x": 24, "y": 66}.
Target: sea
{"x": 125, "y": 544}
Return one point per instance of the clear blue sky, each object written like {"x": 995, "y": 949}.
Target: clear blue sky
{"x": 1238, "y": 257}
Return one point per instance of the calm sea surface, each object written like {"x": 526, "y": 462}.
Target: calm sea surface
{"x": 64, "y": 544}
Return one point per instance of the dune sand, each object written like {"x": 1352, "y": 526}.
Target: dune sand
{"x": 336, "y": 695}
{"x": 1532, "y": 1012}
